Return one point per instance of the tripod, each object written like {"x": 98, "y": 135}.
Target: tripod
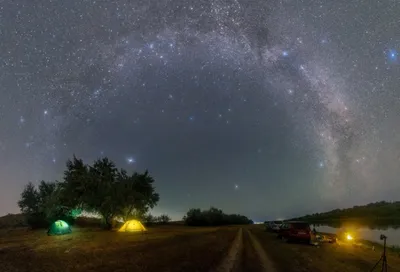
{"x": 383, "y": 257}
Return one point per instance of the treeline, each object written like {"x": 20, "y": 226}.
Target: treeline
{"x": 213, "y": 217}
{"x": 99, "y": 188}
{"x": 150, "y": 219}
{"x": 374, "y": 213}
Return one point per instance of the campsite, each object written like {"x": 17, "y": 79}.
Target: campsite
{"x": 54, "y": 233}
{"x": 176, "y": 247}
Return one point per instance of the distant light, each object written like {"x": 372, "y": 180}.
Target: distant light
{"x": 130, "y": 160}
{"x": 191, "y": 118}
{"x": 321, "y": 164}
{"x": 285, "y": 53}
{"x": 236, "y": 186}
{"x": 45, "y": 112}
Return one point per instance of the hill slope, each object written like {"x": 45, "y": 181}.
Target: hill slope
{"x": 388, "y": 212}
{"x": 12, "y": 220}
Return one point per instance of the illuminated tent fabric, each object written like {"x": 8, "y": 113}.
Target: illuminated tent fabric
{"x": 132, "y": 226}
{"x": 59, "y": 227}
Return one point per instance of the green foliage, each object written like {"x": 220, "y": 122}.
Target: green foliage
{"x": 29, "y": 202}
{"x": 149, "y": 219}
{"x": 42, "y": 205}
{"x": 136, "y": 195}
{"x": 163, "y": 219}
{"x": 99, "y": 188}
{"x": 213, "y": 217}
{"x": 382, "y": 212}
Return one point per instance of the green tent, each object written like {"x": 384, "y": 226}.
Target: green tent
{"x": 59, "y": 227}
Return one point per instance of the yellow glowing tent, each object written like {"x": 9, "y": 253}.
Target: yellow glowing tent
{"x": 132, "y": 226}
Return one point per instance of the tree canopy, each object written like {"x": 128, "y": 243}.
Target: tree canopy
{"x": 213, "y": 217}
{"x": 100, "y": 188}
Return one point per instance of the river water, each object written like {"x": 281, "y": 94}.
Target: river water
{"x": 365, "y": 233}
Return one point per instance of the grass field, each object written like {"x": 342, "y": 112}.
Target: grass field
{"x": 174, "y": 248}
{"x": 326, "y": 257}
{"x": 168, "y": 248}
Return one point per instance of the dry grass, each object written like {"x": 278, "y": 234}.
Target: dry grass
{"x": 327, "y": 257}
{"x": 168, "y": 248}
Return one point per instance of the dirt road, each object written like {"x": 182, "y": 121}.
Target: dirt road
{"x": 262, "y": 251}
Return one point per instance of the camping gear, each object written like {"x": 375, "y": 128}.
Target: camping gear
{"x": 59, "y": 227}
{"x": 132, "y": 226}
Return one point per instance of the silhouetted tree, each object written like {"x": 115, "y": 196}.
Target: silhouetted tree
{"x": 102, "y": 188}
{"x": 42, "y": 205}
{"x": 163, "y": 219}
{"x": 213, "y": 217}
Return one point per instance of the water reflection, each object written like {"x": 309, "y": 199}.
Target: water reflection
{"x": 366, "y": 232}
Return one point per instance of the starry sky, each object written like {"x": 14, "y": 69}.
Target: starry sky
{"x": 266, "y": 108}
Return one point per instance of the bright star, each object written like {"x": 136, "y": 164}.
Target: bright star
{"x": 393, "y": 54}
{"x": 321, "y": 164}
{"x": 130, "y": 160}
{"x": 45, "y": 112}
{"x": 191, "y": 118}
{"x": 285, "y": 53}
{"x": 236, "y": 187}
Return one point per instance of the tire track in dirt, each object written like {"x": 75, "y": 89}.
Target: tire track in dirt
{"x": 250, "y": 260}
{"x": 246, "y": 254}
{"x": 232, "y": 261}
{"x": 265, "y": 262}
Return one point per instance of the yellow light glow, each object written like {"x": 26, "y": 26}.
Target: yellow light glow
{"x": 349, "y": 237}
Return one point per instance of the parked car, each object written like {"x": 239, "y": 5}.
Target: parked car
{"x": 275, "y": 225}
{"x": 295, "y": 231}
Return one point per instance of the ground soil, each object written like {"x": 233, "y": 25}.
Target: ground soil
{"x": 177, "y": 248}
{"x": 160, "y": 249}
{"x": 326, "y": 257}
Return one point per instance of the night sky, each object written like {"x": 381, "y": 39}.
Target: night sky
{"x": 265, "y": 108}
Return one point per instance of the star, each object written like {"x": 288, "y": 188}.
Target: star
{"x": 130, "y": 160}
{"x": 212, "y": 91}
{"x": 392, "y": 55}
